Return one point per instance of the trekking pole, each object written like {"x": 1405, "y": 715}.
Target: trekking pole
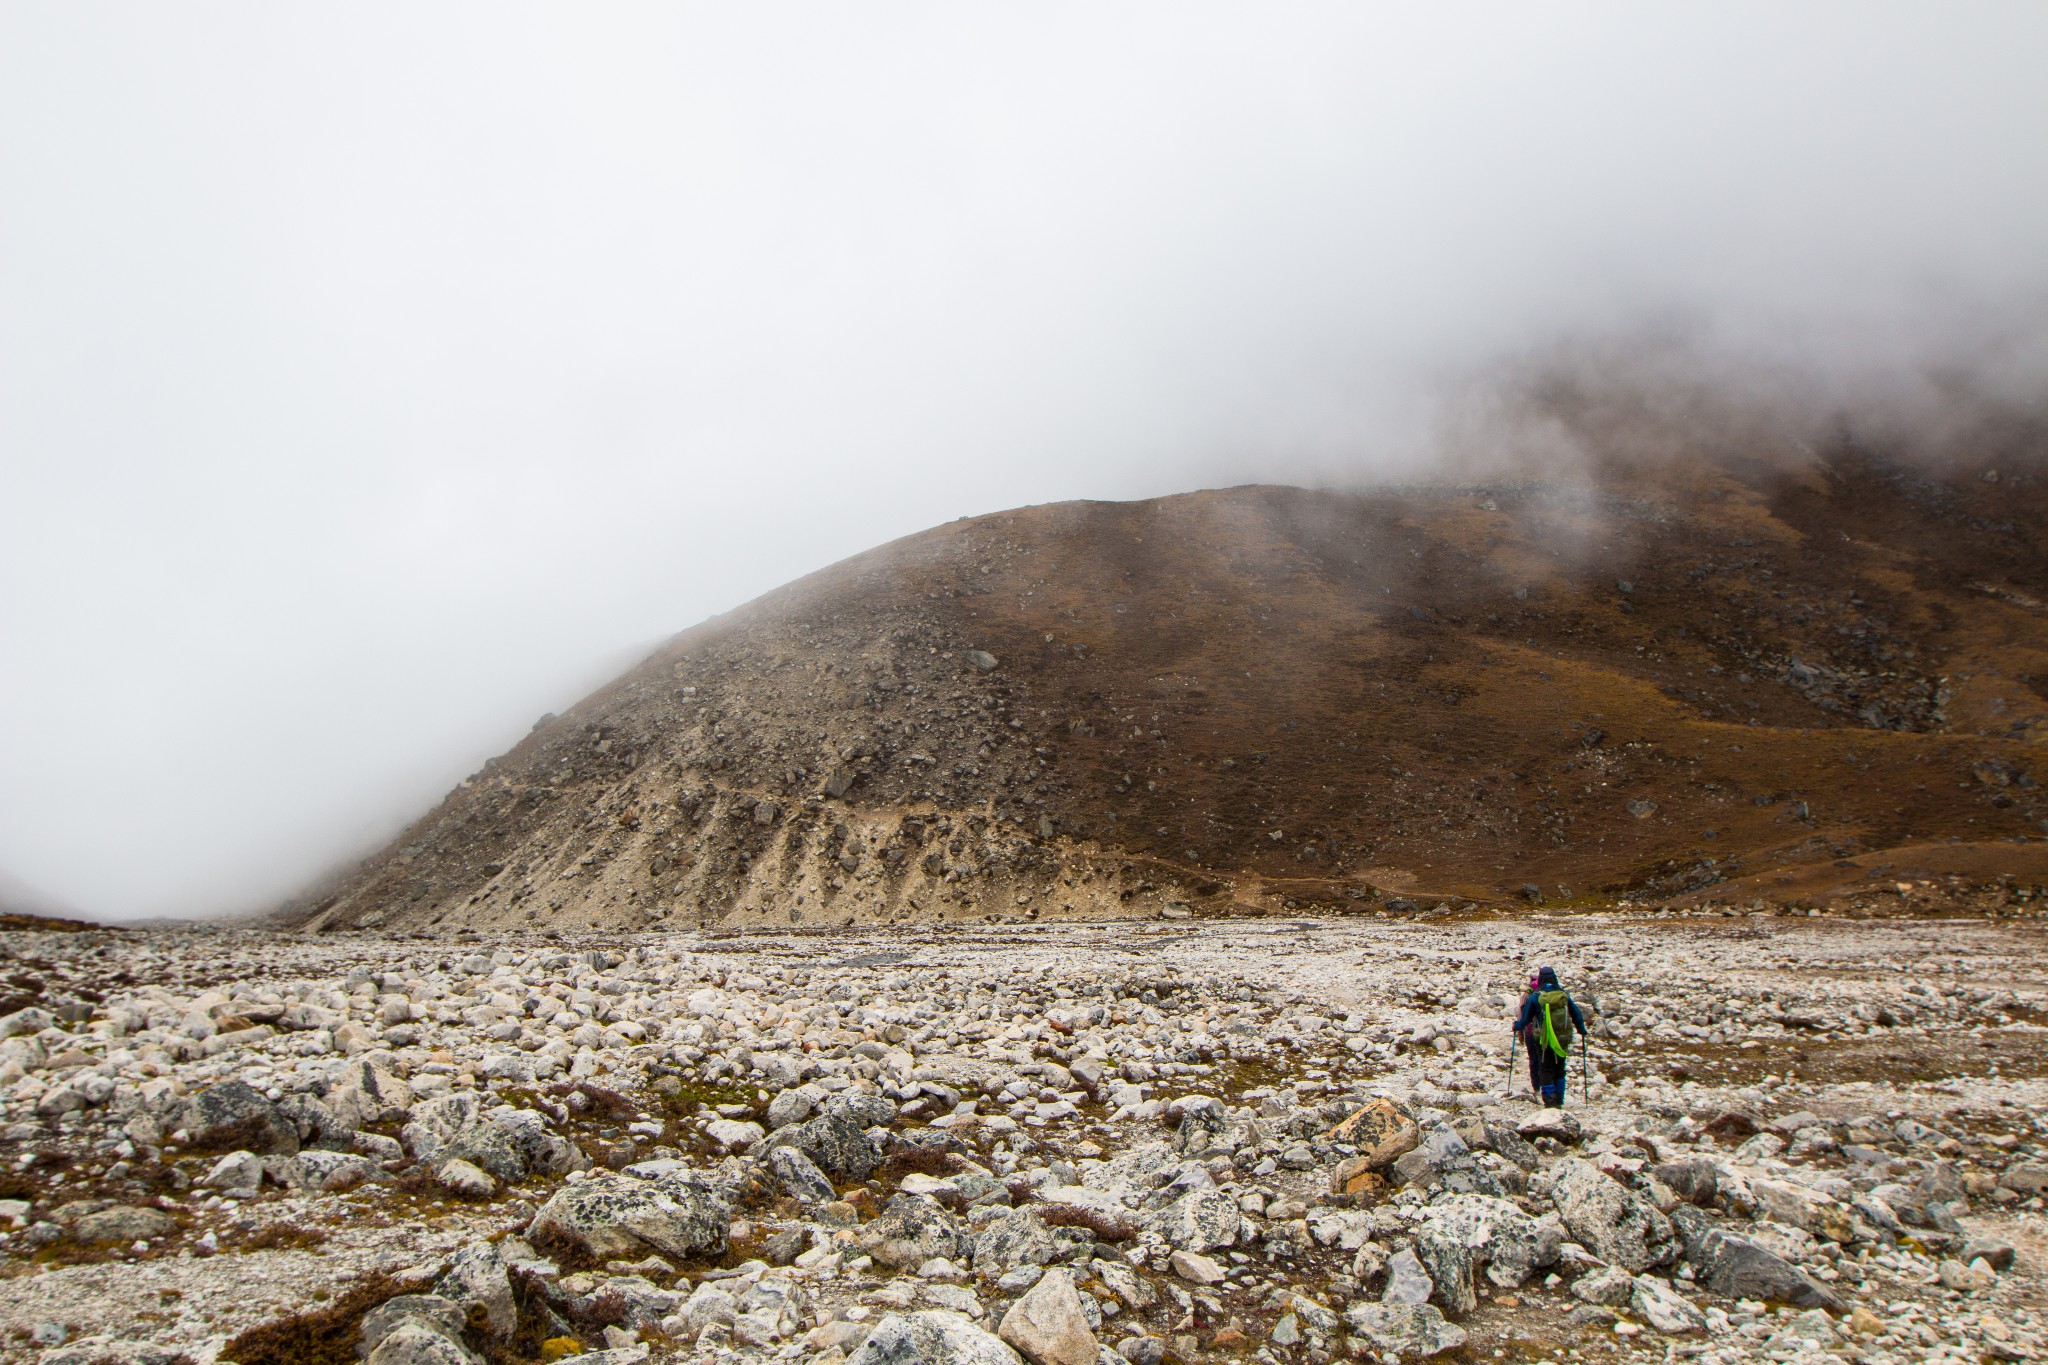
{"x": 1585, "y": 1086}
{"x": 1512, "y": 1040}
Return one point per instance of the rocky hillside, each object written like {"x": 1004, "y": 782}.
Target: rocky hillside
{"x": 1809, "y": 679}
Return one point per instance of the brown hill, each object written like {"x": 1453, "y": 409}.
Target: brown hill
{"x": 1786, "y": 676}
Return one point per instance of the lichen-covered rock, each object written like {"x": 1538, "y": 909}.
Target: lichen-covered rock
{"x": 476, "y": 1277}
{"x": 1465, "y": 1232}
{"x": 414, "y": 1329}
{"x": 800, "y": 1177}
{"x": 415, "y": 1343}
{"x": 366, "y": 1093}
{"x": 617, "y": 1217}
{"x": 1614, "y": 1222}
{"x": 1202, "y": 1120}
{"x": 1407, "y": 1280}
{"x": 1200, "y": 1220}
{"x": 769, "y": 1310}
{"x": 1660, "y": 1306}
{"x": 454, "y": 1127}
{"x": 910, "y": 1231}
{"x": 707, "y": 1304}
{"x": 545, "y": 1153}
{"x": 463, "y": 1180}
{"x": 1404, "y": 1330}
{"x": 124, "y": 1223}
{"x": 1609, "y": 1286}
{"x": 1695, "y": 1181}
{"x": 936, "y": 1337}
{"x": 235, "y": 1115}
{"x": 1014, "y": 1239}
{"x": 835, "y": 1141}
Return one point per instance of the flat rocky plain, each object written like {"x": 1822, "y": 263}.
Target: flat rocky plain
{"x": 1805, "y": 1139}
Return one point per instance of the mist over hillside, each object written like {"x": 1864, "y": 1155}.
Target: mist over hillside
{"x": 1767, "y": 675}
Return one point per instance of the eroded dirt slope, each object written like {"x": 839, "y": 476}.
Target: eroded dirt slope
{"x": 1807, "y": 679}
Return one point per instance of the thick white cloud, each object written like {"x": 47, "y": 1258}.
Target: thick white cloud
{"x": 374, "y": 377}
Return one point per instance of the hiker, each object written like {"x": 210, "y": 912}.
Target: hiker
{"x": 1548, "y": 1017}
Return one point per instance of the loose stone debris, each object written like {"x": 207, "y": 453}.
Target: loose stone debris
{"x": 1117, "y": 1144}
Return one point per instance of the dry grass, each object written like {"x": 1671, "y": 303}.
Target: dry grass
{"x": 1106, "y": 1226}
{"x": 931, "y": 1161}
{"x": 320, "y": 1336}
{"x": 281, "y": 1237}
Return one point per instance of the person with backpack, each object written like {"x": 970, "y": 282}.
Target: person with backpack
{"x": 1548, "y": 1018}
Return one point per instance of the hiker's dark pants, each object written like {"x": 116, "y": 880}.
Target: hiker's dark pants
{"x": 1546, "y": 1075}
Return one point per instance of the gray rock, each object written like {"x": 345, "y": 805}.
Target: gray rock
{"x": 1404, "y": 1329}
{"x": 1407, "y": 1281}
{"x": 322, "y": 1170}
{"x": 1202, "y": 1120}
{"x": 1442, "y": 1142}
{"x": 1737, "y": 1268}
{"x": 1133, "y": 1289}
{"x": 1695, "y": 1181}
{"x": 366, "y": 1093}
{"x": 1614, "y": 1222}
{"x": 454, "y": 1127}
{"x": 235, "y": 1115}
{"x": 124, "y": 1223}
{"x": 1660, "y": 1306}
{"x": 1018, "y": 1238}
{"x": 1200, "y": 1220}
{"x": 1144, "y": 1350}
{"x": 477, "y": 1276}
{"x": 1996, "y": 1253}
{"x": 792, "y": 1106}
{"x": 706, "y": 1305}
{"x": 937, "y": 1336}
{"x": 1550, "y": 1123}
{"x": 235, "y": 1171}
{"x": 1048, "y": 1325}
{"x": 910, "y": 1231}
{"x": 544, "y": 1152}
{"x": 1512, "y": 1145}
{"x": 617, "y": 1217}
{"x": 1470, "y": 1175}
{"x": 800, "y": 1177}
{"x": 415, "y": 1343}
{"x": 835, "y": 1141}
{"x": 869, "y": 1111}
{"x": 1465, "y": 1232}
{"x": 1418, "y": 1168}
{"x": 460, "y": 1178}
{"x": 768, "y": 1311}
{"x": 1609, "y": 1286}
{"x": 431, "y": 1312}
{"x": 29, "y": 1021}
{"x": 316, "y": 1123}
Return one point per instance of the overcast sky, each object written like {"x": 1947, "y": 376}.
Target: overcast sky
{"x": 375, "y": 377}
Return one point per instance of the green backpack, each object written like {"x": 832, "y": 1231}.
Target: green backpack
{"x": 1554, "y": 1012}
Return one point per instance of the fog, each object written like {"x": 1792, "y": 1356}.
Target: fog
{"x": 376, "y": 377}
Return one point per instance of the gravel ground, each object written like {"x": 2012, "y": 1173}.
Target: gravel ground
{"x": 1806, "y": 1138}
